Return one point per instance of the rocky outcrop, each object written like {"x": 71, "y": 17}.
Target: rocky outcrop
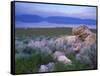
{"x": 85, "y": 35}
{"x": 88, "y": 51}
{"x": 79, "y": 43}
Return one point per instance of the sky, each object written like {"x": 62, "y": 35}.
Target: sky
{"x": 33, "y": 15}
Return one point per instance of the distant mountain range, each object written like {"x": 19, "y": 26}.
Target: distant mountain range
{"x": 53, "y": 19}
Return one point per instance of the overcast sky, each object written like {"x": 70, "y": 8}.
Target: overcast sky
{"x": 49, "y": 15}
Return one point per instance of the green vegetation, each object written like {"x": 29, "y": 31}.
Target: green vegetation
{"x": 27, "y": 65}
{"x": 44, "y": 31}
{"x": 31, "y": 64}
{"x": 76, "y": 65}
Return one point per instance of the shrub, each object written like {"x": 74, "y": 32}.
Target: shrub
{"x": 31, "y": 64}
{"x": 88, "y": 56}
{"x": 28, "y": 65}
{"x": 76, "y": 65}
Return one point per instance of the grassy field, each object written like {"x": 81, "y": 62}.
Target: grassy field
{"x": 31, "y": 65}
{"x": 44, "y": 31}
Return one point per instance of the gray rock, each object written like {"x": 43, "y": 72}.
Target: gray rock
{"x": 47, "y": 68}
{"x": 50, "y": 66}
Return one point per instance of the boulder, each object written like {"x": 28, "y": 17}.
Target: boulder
{"x": 85, "y": 35}
{"x": 78, "y": 30}
{"x": 43, "y": 68}
{"x": 51, "y": 66}
{"x": 56, "y": 54}
{"x": 47, "y": 67}
{"x": 63, "y": 59}
{"x": 60, "y": 57}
